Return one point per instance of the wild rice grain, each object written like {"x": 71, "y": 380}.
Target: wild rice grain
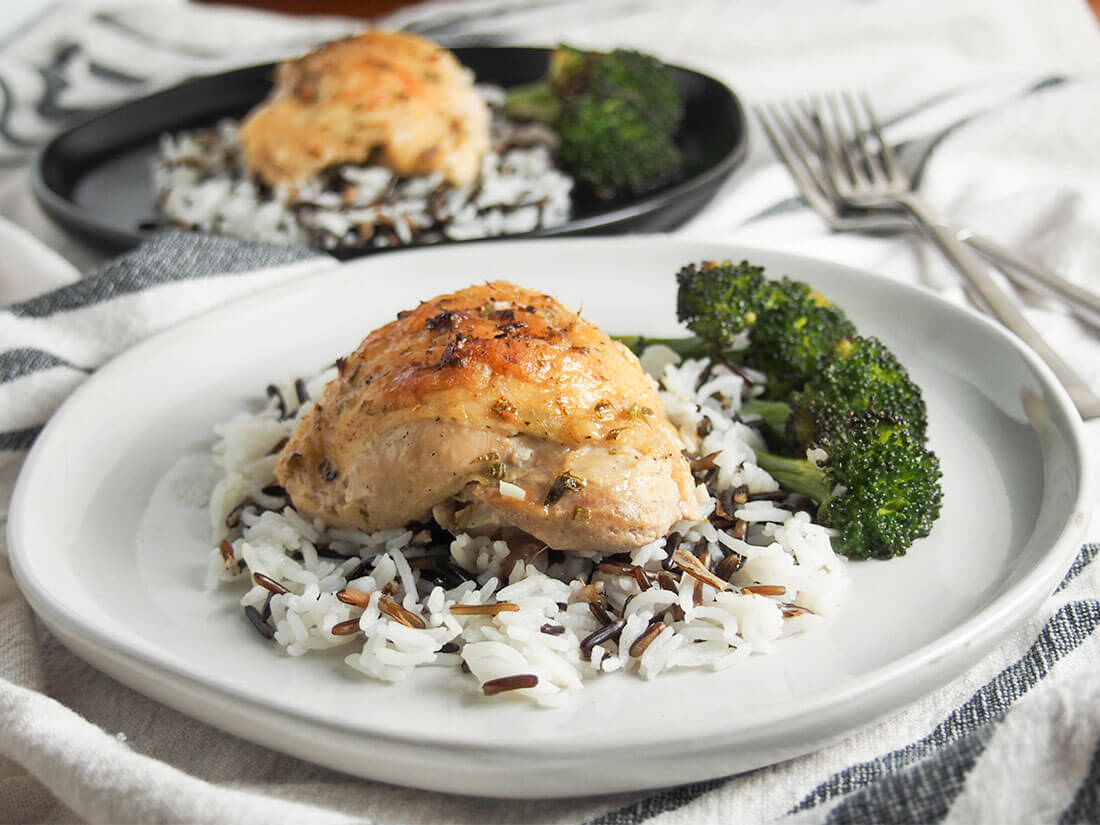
{"x": 262, "y": 627}
{"x": 348, "y": 628}
{"x": 276, "y": 395}
{"x": 226, "y": 549}
{"x": 599, "y": 613}
{"x": 646, "y": 639}
{"x": 667, "y": 581}
{"x": 484, "y": 609}
{"x": 730, "y": 565}
{"x": 672, "y": 542}
{"x": 552, "y": 629}
{"x": 355, "y": 597}
{"x": 791, "y": 610}
{"x": 604, "y": 634}
{"x": 506, "y": 683}
{"x": 234, "y": 517}
{"x": 392, "y": 608}
{"x": 269, "y": 583}
{"x": 765, "y": 589}
{"x": 697, "y": 570}
{"x": 616, "y": 568}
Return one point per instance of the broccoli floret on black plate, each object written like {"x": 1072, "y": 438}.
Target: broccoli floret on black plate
{"x": 609, "y": 145}
{"x": 615, "y": 113}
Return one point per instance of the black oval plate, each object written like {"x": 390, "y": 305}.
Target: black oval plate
{"x": 96, "y": 178}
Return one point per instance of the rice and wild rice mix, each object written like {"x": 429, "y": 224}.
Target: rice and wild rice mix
{"x": 754, "y": 571}
{"x": 200, "y": 182}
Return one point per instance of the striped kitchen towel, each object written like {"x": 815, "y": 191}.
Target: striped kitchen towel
{"x": 1016, "y": 739}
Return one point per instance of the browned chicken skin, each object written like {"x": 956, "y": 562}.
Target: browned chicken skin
{"x": 388, "y": 97}
{"x": 449, "y": 406}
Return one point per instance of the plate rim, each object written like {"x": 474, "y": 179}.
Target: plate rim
{"x": 65, "y": 211}
{"x": 980, "y": 631}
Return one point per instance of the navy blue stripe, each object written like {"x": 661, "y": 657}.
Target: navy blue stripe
{"x": 7, "y": 101}
{"x": 660, "y": 803}
{"x": 1069, "y": 627}
{"x": 167, "y": 258}
{"x": 14, "y": 440}
{"x": 1084, "y": 558}
{"x": 1085, "y": 806}
{"x": 15, "y": 363}
{"x": 922, "y": 794}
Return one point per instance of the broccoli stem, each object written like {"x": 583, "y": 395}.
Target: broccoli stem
{"x": 689, "y": 347}
{"x": 533, "y": 101}
{"x": 775, "y": 413}
{"x": 796, "y": 474}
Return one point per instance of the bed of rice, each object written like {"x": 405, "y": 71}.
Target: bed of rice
{"x": 200, "y": 183}
{"x": 674, "y": 621}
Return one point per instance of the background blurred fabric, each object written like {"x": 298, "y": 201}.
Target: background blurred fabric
{"x": 1017, "y": 87}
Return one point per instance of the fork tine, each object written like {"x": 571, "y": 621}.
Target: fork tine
{"x": 805, "y": 144}
{"x": 831, "y": 158}
{"x": 870, "y": 158}
{"x": 845, "y": 139}
{"x": 886, "y": 152}
{"x": 781, "y": 133}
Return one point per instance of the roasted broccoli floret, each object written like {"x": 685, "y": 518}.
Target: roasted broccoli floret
{"x": 878, "y": 485}
{"x": 615, "y": 113}
{"x": 608, "y": 144}
{"x": 828, "y": 390}
{"x": 638, "y": 78}
{"x": 783, "y": 328}
{"x": 860, "y": 375}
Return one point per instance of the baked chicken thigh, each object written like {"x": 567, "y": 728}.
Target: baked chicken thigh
{"x": 493, "y": 408}
{"x": 389, "y": 97}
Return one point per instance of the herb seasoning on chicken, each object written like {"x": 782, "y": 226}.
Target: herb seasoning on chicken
{"x": 493, "y": 409}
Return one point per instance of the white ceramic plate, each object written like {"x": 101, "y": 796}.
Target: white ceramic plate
{"x": 119, "y": 576}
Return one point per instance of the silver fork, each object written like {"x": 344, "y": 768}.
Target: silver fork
{"x": 858, "y": 167}
{"x": 781, "y": 133}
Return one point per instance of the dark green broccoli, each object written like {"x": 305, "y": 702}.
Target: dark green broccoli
{"x": 638, "y": 78}
{"x": 791, "y": 329}
{"x": 878, "y": 486}
{"x": 860, "y": 375}
{"x": 615, "y": 113}
{"x": 610, "y": 146}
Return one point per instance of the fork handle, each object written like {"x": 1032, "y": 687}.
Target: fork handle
{"x": 1080, "y": 301}
{"x": 998, "y": 303}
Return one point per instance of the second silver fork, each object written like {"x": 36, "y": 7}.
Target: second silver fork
{"x": 840, "y": 144}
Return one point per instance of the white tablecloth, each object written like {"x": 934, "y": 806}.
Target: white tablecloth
{"x": 1014, "y": 740}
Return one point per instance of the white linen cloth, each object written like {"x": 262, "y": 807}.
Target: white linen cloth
{"x": 1016, "y": 739}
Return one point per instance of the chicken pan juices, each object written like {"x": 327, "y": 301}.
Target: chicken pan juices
{"x": 492, "y": 483}
{"x": 382, "y": 140}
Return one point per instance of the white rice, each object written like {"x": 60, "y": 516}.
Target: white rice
{"x": 200, "y": 183}
{"x": 780, "y": 548}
